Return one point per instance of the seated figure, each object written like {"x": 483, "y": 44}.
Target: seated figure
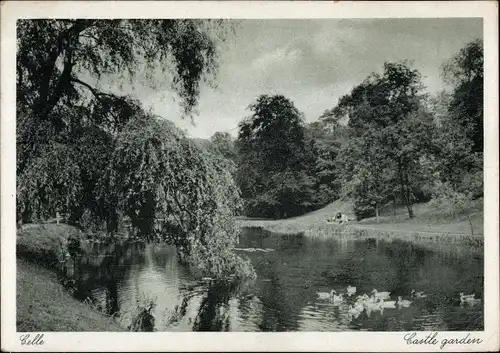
{"x": 338, "y": 218}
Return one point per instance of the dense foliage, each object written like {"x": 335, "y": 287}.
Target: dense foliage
{"x": 460, "y": 143}
{"x": 157, "y": 173}
{"x": 272, "y": 159}
{"x": 390, "y": 135}
{"x": 99, "y": 157}
{"x": 399, "y": 145}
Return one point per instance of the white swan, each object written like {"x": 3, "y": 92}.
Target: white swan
{"x": 388, "y": 304}
{"x": 362, "y": 297}
{"x": 354, "y": 311}
{"x": 351, "y": 290}
{"x": 467, "y": 296}
{"x": 324, "y": 295}
{"x": 381, "y": 295}
{"x": 359, "y": 306}
{"x": 418, "y": 295}
{"x": 403, "y": 303}
{"x": 373, "y": 305}
{"x": 469, "y": 299}
{"x": 337, "y": 299}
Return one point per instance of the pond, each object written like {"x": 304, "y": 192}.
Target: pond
{"x": 291, "y": 270}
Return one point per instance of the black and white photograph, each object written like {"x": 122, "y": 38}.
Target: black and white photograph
{"x": 270, "y": 175}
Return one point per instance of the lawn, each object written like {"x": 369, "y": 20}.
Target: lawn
{"x": 47, "y": 244}
{"x": 427, "y": 219}
{"x": 44, "y": 305}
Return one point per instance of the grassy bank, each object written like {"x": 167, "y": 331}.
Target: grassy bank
{"x": 46, "y": 244}
{"x": 44, "y": 305}
{"x": 429, "y": 224}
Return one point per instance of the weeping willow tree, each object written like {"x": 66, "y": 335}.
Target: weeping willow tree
{"x": 156, "y": 172}
{"x": 96, "y": 156}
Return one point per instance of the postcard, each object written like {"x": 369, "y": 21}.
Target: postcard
{"x": 249, "y": 176}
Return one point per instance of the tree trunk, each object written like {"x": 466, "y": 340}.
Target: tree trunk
{"x": 410, "y": 210}
{"x": 403, "y": 181}
{"x": 376, "y": 211}
{"x": 408, "y": 198}
{"x": 468, "y": 218}
{"x": 470, "y": 223}
{"x": 394, "y": 204}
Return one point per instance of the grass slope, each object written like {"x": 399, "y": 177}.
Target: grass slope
{"x": 427, "y": 219}
{"x": 47, "y": 244}
{"x": 44, "y": 305}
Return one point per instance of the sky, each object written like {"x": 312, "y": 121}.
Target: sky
{"x": 311, "y": 62}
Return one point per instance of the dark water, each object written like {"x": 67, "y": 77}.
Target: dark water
{"x": 291, "y": 269}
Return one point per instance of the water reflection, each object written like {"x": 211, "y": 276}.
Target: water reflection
{"x": 291, "y": 269}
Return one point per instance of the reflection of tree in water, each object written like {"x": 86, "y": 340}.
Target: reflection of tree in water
{"x": 290, "y": 275}
{"x": 179, "y": 312}
{"x": 213, "y": 314}
{"x": 103, "y": 267}
{"x": 406, "y": 258}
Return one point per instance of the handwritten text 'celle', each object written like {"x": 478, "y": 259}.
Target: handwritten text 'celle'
{"x": 28, "y": 340}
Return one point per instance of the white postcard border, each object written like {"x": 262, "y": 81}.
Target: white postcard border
{"x": 289, "y": 341}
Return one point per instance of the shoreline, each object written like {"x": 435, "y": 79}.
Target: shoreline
{"x": 44, "y": 305}
{"x": 353, "y": 231}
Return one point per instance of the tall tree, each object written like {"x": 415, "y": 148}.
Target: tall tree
{"x": 465, "y": 72}
{"x": 459, "y": 150}
{"x": 324, "y": 144}
{"x": 272, "y": 170}
{"x": 85, "y": 151}
{"x": 387, "y": 119}
{"x": 59, "y": 102}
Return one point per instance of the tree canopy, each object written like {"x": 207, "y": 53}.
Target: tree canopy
{"x": 272, "y": 165}
{"x": 390, "y": 132}
{"x": 465, "y": 72}
{"x": 98, "y": 156}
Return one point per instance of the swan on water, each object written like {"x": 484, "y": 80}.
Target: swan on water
{"x": 418, "y": 295}
{"x": 351, "y": 290}
{"x": 381, "y": 295}
{"x": 388, "y": 304}
{"x": 403, "y": 303}
{"x": 373, "y": 305}
{"x": 325, "y": 295}
{"x": 362, "y": 297}
{"x": 337, "y": 299}
{"x": 355, "y": 311}
{"x": 469, "y": 299}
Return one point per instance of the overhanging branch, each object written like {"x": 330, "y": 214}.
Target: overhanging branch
{"x": 94, "y": 91}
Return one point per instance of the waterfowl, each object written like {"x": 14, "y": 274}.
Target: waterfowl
{"x": 467, "y": 296}
{"x": 372, "y": 299}
{"x": 354, "y": 311}
{"x": 324, "y": 295}
{"x": 403, "y": 303}
{"x": 362, "y": 297}
{"x": 351, "y": 290}
{"x": 337, "y": 299}
{"x": 418, "y": 295}
{"x": 373, "y": 305}
{"x": 472, "y": 302}
{"x": 469, "y": 299}
{"x": 359, "y": 306}
{"x": 388, "y": 304}
{"x": 381, "y": 295}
